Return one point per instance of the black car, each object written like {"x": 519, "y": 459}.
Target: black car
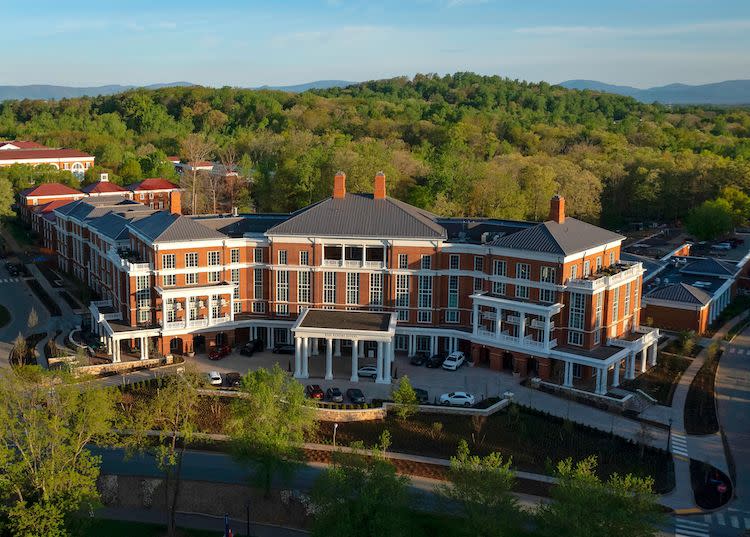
{"x": 422, "y": 396}
{"x": 233, "y": 379}
{"x": 356, "y": 396}
{"x": 283, "y": 348}
{"x": 251, "y": 347}
{"x": 436, "y": 360}
{"x": 335, "y": 395}
{"x": 419, "y": 359}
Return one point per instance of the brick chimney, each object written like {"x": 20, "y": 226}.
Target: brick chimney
{"x": 175, "y": 202}
{"x": 379, "y": 189}
{"x": 339, "y": 185}
{"x": 557, "y": 209}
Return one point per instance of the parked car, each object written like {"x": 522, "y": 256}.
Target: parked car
{"x": 233, "y": 379}
{"x": 454, "y": 360}
{"x": 419, "y": 359}
{"x": 335, "y": 395}
{"x": 214, "y": 378}
{"x": 314, "y": 391}
{"x": 722, "y": 246}
{"x": 251, "y": 347}
{"x": 457, "y": 399}
{"x": 356, "y": 396}
{"x": 283, "y": 348}
{"x": 219, "y": 352}
{"x": 436, "y": 360}
{"x": 422, "y": 396}
{"x": 368, "y": 371}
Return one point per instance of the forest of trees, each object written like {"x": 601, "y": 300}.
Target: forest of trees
{"x": 461, "y": 144}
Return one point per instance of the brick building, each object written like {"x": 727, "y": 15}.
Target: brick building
{"x": 368, "y": 275}
{"x": 34, "y": 154}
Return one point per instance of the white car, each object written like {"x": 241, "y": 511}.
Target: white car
{"x": 457, "y": 399}
{"x": 454, "y": 360}
{"x": 214, "y": 378}
{"x": 368, "y": 371}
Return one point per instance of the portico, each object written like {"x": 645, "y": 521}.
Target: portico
{"x": 335, "y": 326}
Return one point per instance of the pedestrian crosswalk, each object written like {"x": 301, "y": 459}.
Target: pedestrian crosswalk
{"x": 731, "y": 518}
{"x": 679, "y": 445}
{"x": 9, "y": 280}
{"x": 684, "y": 527}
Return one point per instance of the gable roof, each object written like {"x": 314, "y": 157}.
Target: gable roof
{"x": 681, "y": 292}
{"x": 153, "y": 183}
{"x": 49, "y": 189}
{"x": 34, "y": 154}
{"x": 163, "y": 226}
{"x": 50, "y": 206}
{"x": 11, "y": 145}
{"x": 101, "y": 187}
{"x": 570, "y": 237}
{"x": 710, "y": 266}
{"x": 360, "y": 215}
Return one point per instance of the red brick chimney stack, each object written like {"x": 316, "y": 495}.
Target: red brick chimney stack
{"x": 339, "y": 186}
{"x": 379, "y": 190}
{"x": 557, "y": 209}
{"x": 175, "y": 202}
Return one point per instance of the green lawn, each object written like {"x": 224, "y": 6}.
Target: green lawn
{"x": 4, "y": 316}
{"x": 118, "y": 528}
{"x": 19, "y": 231}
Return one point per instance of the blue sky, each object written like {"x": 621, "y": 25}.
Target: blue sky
{"x": 247, "y": 43}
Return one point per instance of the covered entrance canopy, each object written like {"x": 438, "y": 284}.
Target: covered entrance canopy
{"x": 336, "y": 325}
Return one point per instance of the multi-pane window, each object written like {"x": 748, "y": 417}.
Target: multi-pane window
{"x": 575, "y": 338}
{"x": 616, "y": 305}
{"x": 611, "y": 258}
{"x": 257, "y": 284}
{"x": 376, "y": 289}
{"x": 598, "y": 319}
{"x": 451, "y": 315}
{"x": 169, "y": 280}
{"x": 577, "y": 311}
{"x": 168, "y": 261}
{"x": 478, "y": 263}
{"x": 402, "y": 296}
{"x": 237, "y": 307}
{"x": 352, "y": 288}
{"x": 303, "y": 286}
{"x": 424, "y": 316}
{"x": 234, "y": 255}
{"x": 258, "y": 255}
{"x": 259, "y": 307}
{"x": 191, "y": 259}
{"x": 304, "y": 258}
{"x": 626, "y": 302}
{"x": 214, "y": 258}
{"x": 282, "y": 257}
{"x": 329, "y": 287}
{"x": 215, "y": 306}
{"x": 478, "y": 284}
{"x": 214, "y": 276}
{"x": 282, "y": 286}
{"x": 171, "y": 310}
{"x": 574, "y": 272}
{"x": 455, "y": 262}
{"x": 547, "y": 295}
{"x": 498, "y": 288}
{"x": 144, "y": 316}
{"x": 282, "y": 309}
{"x": 426, "y": 262}
{"x": 523, "y": 271}
{"x": 425, "y": 292}
{"x": 547, "y": 274}
{"x": 499, "y": 267}
{"x": 403, "y": 261}
{"x": 235, "y": 276}
{"x": 522, "y": 291}
{"x": 598, "y": 263}
{"x": 142, "y": 293}
{"x": 586, "y": 268}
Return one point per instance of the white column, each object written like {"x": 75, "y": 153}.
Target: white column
{"x": 209, "y": 308}
{"x": 315, "y": 350}
{"x": 412, "y": 344}
{"x": 652, "y": 355}
{"x": 521, "y": 326}
{"x": 616, "y": 375}
{"x": 271, "y": 342}
{"x": 109, "y": 346}
{"x": 601, "y": 383}
{"x": 305, "y": 355}
{"x": 329, "y": 359}
{"x": 630, "y": 366}
{"x": 643, "y": 359}
{"x": 568, "y": 374}
{"x": 231, "y": 306}
{"x": 144, "y": 348}
{"x": 380, "y": 366}
{"x": 498, "y": 321}
{"x": 433, "y": 346}
{"x": 253, "y": 332}
{"x": 355, "y": 362}
{"x": 360, "y": 348}
{"x": 337, "y": 348}
{"x": 475, "y": 318}
{"x": 547, "y": 325}
{"x": 390, "y": 354}
{"x": 164, "y": 311}
{"x": 297, "y": 357}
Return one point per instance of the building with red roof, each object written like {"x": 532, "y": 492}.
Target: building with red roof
{"x": 33, "y": 154}
{"x": 157, "y": 193}
{"x": 20, "y": 144}
{"x": 103, "y": 186}
{"x": 45, "y": 193}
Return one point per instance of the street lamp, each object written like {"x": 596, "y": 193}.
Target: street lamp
{"x": 335, "y": 427}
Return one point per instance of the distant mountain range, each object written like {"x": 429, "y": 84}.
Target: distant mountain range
{"x": 729, "y": 92}
{"x": 41, "y": 91}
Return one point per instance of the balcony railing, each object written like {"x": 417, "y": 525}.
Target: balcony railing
{"x": 608, "y": 277}
{"x": 504, "y": 337}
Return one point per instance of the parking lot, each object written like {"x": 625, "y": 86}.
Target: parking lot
{"x": 480, "y": 381}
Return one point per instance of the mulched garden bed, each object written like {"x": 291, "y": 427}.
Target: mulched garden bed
{"x": 44, "y": 298}
{"x": 31, "y": 343}
{"x": 674, "y": 348}
{"x": 700, "y": 405}
{"x": 660, "y": 381}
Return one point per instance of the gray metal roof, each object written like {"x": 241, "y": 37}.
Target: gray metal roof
{"x": 360, "y": 215}
{"x": 164, "y": 226}
{"x": 570, "y": 237}
{"x": 710, "y": 266}
{"x": 346, "y": 320}
{"x": 237, "y": 226}
{"x": 681, "y": 292}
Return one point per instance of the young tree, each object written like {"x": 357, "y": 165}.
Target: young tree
{"x": 585, "y": 506}
{"x": 172, "y": 411}
{"x": 269, "y": 423}
{"x": 33, "y": 319}
{"x": 482, "y": 487}
{"x": 361, "y": 495}
{"x": 47, "y": 474}
{"x": 19, "y": 351}
{"x": 196, "y": 148}
{"x": 710, "y": 220}
{"x": 405, "y": 399}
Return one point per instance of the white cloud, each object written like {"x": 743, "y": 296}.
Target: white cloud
{"x": 646, "y": 31}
